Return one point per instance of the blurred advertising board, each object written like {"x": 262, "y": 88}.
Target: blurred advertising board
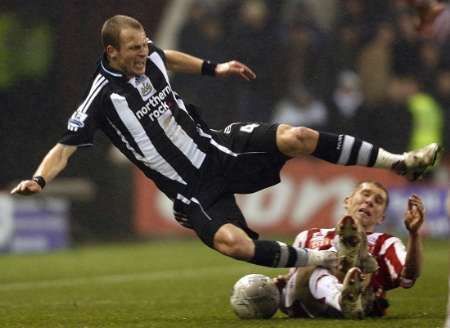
{"x": 33, "y": 224}
{"x": 434, "y": 198}
{"x": 311, "y": 194}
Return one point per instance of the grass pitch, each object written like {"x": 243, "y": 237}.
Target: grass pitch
{"x": 175, "y": 284}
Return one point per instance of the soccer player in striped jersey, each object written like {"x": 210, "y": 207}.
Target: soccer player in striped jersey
{"x": 131, "y": 100}
{"x": 317, "y": 291}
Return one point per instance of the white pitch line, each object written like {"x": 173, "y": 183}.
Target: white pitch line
{"x": 120, "y": 278}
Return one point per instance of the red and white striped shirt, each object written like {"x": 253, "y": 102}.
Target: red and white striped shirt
{"x": 389, "y": 251}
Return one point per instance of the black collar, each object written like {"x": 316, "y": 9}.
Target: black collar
{"x": 107, "y": 70}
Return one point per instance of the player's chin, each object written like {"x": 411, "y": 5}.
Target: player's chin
{"x": 361, "y": 218}
{"x": 139, "y": 70}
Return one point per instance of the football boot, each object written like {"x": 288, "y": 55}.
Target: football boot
{"x": 350, "y": 300}
{"x": 416, "y": 162}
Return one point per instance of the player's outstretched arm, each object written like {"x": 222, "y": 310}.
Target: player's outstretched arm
{"x": 52, "y": 164}
{"x": 180, "y": 62}
{"x": 414, "y": 218}
{"x": 235, "y": 68}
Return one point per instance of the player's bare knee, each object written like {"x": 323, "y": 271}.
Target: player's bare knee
{"x": 304, "y": 134}
{"x": 285, "y": 138}
{"x": 293, "y": 141}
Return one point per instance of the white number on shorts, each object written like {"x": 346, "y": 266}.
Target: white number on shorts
{"x": 249, "y": 127}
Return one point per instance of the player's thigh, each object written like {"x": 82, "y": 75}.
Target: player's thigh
{"x": 251, "y": 137}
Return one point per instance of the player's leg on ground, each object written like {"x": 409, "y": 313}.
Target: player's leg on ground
{"x": 297, "y": 298}
{"x": 232, "y": 241}
{"x": 348, "y": 150}
{"x": 323, "y": 286}
{"x": 345, "y": 298}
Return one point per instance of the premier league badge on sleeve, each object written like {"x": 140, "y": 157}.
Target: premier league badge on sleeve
{"x": 76, "y": 121}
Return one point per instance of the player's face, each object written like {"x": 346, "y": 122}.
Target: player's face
{"x": 367, "y": 205}
{"x": 132, "y": 54}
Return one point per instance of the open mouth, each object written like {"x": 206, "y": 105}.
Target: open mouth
{"x": 140, "y": 65}
{"x": 365, "y": 212}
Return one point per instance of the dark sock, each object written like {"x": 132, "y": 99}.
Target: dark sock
{"x": 345, "y": 150}
{"x": 276, "y": 254}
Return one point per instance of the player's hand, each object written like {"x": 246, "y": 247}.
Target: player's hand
{"x": 415, "y": 214}
{"x": 27, "y": 187}
{"x": 235, "y": 68}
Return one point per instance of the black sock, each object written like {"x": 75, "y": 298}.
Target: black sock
{"x": 276, "y": 254}
{"x": 345, "y": 150}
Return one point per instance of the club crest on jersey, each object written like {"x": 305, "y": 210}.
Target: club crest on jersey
{"x": 76, "y": 121}
{"x": 145, "y": 87}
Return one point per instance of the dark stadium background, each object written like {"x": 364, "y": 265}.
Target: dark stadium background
{"x": 43, "y": 76}
{"x": 37, "y": 107}
{"x": 49, "y": 48}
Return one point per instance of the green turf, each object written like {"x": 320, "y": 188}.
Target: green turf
{"x": 174, "y": 284}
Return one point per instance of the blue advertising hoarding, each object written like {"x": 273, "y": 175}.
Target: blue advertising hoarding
{"x": 33, "y": 224}
{"x": 434, "y": 198}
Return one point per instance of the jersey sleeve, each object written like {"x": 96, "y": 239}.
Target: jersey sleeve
{"x": 393, "y": 256}
{"x": 84, "y": 122}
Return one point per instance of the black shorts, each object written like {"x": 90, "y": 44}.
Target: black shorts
{"x": 258, "y": 161}
{"x": 244, "y": 160}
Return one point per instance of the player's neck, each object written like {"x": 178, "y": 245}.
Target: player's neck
{"x": 115, "y": 66}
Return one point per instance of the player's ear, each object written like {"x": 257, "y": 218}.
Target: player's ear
{"x": 111, "y": 52}
{"x": 346, "y": 202}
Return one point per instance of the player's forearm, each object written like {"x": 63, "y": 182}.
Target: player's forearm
{"x": 413, "y": 262}
{"x": 180, "y": 62}
{"x": 55, "y": 161}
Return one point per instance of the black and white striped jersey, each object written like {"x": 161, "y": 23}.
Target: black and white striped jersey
{"x": 147, "y": 121}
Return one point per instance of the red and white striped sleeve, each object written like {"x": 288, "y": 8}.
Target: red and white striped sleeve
{"x": 392, "y": 255}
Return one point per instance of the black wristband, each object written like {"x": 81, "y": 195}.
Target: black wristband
{"x": 209, "y": 68}
{"x": 39, "y": 180}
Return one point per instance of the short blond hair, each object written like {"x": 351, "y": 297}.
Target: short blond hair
{"x": 113, "y": 26}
